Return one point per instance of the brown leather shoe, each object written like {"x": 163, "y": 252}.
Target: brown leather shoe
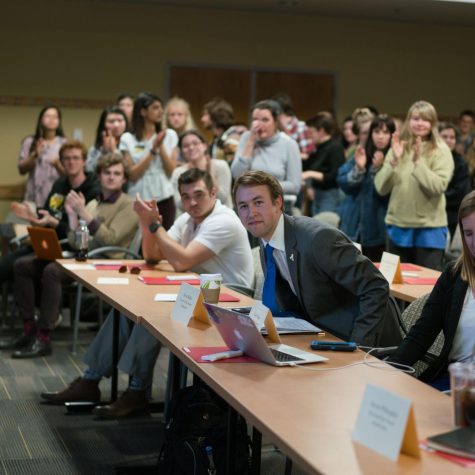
{"x": 79, "y": 390}
{"x": 130, "y": 403}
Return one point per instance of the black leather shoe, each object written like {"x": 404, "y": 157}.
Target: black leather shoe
{"x": 36, "y": 348}
{"x": 18, "y": 342}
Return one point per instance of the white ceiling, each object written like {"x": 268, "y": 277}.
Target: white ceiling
{"x": 452, "y": 12}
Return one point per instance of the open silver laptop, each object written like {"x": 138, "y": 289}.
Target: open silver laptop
{"x": 239, "y": 332}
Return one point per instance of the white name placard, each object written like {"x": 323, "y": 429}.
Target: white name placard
{"x": 390, "y": 267}
{"x": 386, "y": 424}
{"x": 189, "y": 303}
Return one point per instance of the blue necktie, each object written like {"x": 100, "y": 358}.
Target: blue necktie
{"x": 268, "y": 292}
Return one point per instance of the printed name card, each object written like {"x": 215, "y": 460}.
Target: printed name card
{"x": 262, "y": 317}
{"x": 113, "y": 280}
{"x": 390, "y": 267}
{"x": 189, "y": 303}
{"x": 386, "y": 424}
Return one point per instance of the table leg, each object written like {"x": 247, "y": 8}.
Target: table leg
{"x": 173, "y": 383}
{"x": 115, "y": 353}
{"x": 288, "y": 466}
{"x": 256, "y": 452}
{"x": 231, "y": 443}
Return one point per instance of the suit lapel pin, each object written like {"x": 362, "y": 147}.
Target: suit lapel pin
{"x": 291, "y": 257}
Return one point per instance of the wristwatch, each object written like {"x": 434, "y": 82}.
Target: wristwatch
{"x": 153, "y": 227}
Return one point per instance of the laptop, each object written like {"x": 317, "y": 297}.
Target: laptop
{"x": 45, "y": 243}
{"x": 239, "y": 332}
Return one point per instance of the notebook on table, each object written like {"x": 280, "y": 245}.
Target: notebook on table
{"x": 45, "y": 243}
{"x": 239, "y": 332}
{"x": 460, "y": 442}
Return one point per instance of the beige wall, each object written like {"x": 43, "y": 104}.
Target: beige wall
{"x": 93, "y": 50}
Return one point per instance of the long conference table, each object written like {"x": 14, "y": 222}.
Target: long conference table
{"x": 410, "y": 292}
{"x": 309, "y": 415}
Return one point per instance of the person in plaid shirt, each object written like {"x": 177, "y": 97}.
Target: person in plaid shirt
{"x": 292, "y": 126}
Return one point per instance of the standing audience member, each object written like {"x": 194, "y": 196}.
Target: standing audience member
{"x": 208, "y": 238}
{"x": 459, "y": 185}
{"x": 177, "y": 116}
{"x": 39, "y": 155}
{"x": 194, "y": 149}
{"x": 221, "y": 115}
{"x": 470, "y": 159}
{"x": 363, "y": 210}
{"x": 312, "y": 270}
{"x": 362, "y": 118}
{"x": 73, "y": 158}
{"x": 466, "y": 137}
{"x": 416, "y": 172}
{"x": 230, "y": 140}
{"x": 348, "y": 137}
{"x": 321, "y": 167}
{"x": 148, "y": 153}
{"x": 450, "y": 309}
{"x": 125, "y": 102}
{"x": 268, "y": 149}
{"x": 112, "y": 124}
{"x": 292, "y": 126}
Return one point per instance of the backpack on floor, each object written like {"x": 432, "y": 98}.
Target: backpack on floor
{"x": 196, "y": 436}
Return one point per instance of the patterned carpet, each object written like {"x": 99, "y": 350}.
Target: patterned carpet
{"x": 36, "y": 438}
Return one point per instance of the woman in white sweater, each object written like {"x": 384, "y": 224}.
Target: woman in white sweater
{"x": 194, "y": 149}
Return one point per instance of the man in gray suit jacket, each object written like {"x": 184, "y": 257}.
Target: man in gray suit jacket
{"x": 321, "y": 275}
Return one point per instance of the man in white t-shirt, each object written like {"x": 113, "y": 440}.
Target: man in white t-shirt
{"x": 208, "y": 238}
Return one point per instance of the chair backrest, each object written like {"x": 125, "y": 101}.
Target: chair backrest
{"x": 391, "y": 332}
{"x": 259, "y": 274}
{"x": 136, "y": 243}
{"x": 116, "y": 252}
{"x": 328, "y": 217}
{"x": 409, "y": 317}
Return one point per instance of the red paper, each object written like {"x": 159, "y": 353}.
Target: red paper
{"x": 198, "y": 351}
{"x": 108, "y": 266}
{"x": 405, "y": 267}
{"x": 420, "y": 280}
{"x": 223, "y": 297}
{"x": 465, "y": 462}
{"x": 149, "y": 280}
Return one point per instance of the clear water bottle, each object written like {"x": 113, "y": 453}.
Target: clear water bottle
{"x": 82, "y": 241}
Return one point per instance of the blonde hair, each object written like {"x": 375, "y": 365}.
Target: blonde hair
{"x": 427, "y": 111}
{"x": 362, "y": 116}
{"x": 466, "y": 262}
{"x": 174, "y": 102}
{"x": 470, "y": 158}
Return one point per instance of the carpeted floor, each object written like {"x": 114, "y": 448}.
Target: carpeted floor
{"x": 36, "y": 438}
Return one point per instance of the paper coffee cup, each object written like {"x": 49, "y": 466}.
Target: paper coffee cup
{"x": 210, "y": 285}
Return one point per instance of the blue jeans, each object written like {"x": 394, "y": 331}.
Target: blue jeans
{"x": 138, "y": 350}
{"x": 326, "y": 200}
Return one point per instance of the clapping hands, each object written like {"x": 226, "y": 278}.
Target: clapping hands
{"x": 360, "y": 158}
{"x": 75, "y": 203}
{"x": 147, "y": 210}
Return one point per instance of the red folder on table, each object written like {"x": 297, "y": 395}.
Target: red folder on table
{"x": 420, "y": 280}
